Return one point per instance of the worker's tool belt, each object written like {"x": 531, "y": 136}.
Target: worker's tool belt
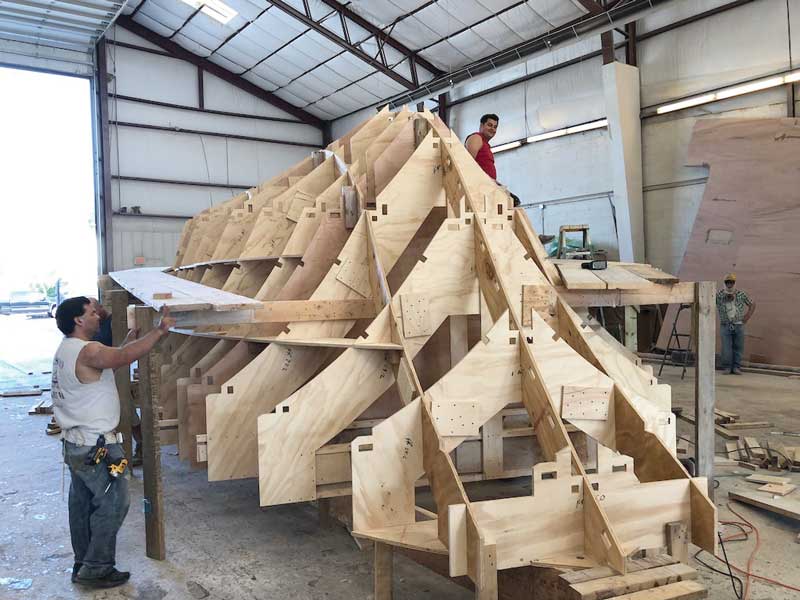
{"x": 78, "y": 438}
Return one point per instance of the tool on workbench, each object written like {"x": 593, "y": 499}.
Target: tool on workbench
{"x": 595, "y": 265}
{"x": 789, "y": 433}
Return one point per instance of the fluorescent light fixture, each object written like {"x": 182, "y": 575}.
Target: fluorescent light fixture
{"x": 508, "y": 146}
{"x": 704, "y": 99}
{"x": 216, "y": 9}
{"x": 546, "y": 136}
{"x": 731, "y": 92}
{"x": 588, "y": 126}
{"x": 792, "y": 77}
{"x": 749, "y": 87}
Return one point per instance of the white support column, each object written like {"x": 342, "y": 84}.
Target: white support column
{"x": 621, "y": 91}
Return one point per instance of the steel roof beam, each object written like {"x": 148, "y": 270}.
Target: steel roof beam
{"x": 376, "y": 63}
{"x": 617, "y": 14}
{"x": 381, "y": 35}
{"x": 233, "y": 79}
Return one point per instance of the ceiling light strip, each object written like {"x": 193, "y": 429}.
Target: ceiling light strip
{"x": 549, "y": 135}
{"x": 730, "y": 92}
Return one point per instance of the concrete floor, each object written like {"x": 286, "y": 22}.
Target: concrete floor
{"x": 220, "y": 543}
{"x": 755, "y": 398}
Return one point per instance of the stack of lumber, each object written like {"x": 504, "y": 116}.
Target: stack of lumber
{"x": 43, "y": 407}
{"x": 656, "y": 578}
{"x": 753, "y": 453}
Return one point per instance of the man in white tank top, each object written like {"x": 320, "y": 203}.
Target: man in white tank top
{"x": 86, "y": 406}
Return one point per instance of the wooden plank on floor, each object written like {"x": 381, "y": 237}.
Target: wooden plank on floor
{"x": 785, "y": 506}
{"x": 683, "y": 590}
{"x": 606, "y": 587}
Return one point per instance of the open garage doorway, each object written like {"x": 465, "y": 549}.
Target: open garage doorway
{"x": 48, "y": 241}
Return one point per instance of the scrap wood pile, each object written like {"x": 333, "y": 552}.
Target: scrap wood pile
{"x": 379, "y": 318}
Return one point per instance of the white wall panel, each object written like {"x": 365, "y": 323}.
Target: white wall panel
{"x": 136, "y": 112}
{"x": 794, "y": 25}
{"x": 155, "y": 240}
{"x": 257, "y": 162}
{"x": 568, "y": 96}
{"x": 556, "y": 169}
{"x": 736, "y": 45}
{"x": 166, "y": 199}
{"x": 341, "y": 126}
{"x": 222, "y": 96}
{"x": 151, "y": 76}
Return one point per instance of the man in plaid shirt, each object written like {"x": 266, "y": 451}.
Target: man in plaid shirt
{"x": 735, "y": 309}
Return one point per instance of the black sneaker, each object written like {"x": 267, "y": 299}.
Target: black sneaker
{"x": 111, "y": 579}
{"x": 75, "y": 568}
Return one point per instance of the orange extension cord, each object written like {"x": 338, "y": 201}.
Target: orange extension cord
{"x": 748, "y": 572}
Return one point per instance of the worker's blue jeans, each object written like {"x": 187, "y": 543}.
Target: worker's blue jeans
{"x": 95, "y": 515}
{"x": 732, "y": 346}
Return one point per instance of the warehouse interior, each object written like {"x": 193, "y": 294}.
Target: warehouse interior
{"x": 375, "y": 368}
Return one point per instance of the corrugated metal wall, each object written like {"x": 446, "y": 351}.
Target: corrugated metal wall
{"x": 569, "y": 178}
{"x": 144, "y": 159}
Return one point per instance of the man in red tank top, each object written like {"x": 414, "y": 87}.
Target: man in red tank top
{"x": 478, "y": 144}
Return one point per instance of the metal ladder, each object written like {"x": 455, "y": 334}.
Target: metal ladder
{"x": 674, "y": 335}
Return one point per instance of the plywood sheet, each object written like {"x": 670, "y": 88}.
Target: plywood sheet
{"x": 752, "y": 194}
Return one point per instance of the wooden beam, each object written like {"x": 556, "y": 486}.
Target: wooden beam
{"x": 680, "y": 293}
{"x": 119, "y": 329}
{"x": 287, "y": 311}
{"x": 705, "y": 336}
{"x": 384, "y": 555}
{"x": 231, "y": 78}
{"x": 149, "y": 369}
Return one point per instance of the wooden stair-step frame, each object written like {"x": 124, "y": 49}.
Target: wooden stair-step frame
{"x": 470, "y": 343}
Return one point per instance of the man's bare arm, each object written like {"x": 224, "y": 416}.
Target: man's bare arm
{"x": 102, "y": 357}
{"x": 474, "y": 144}
{"x": 130, "y": 337}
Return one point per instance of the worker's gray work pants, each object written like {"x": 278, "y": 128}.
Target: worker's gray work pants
{"x": 95, "y": 515}
{"x": 732, "y": 346}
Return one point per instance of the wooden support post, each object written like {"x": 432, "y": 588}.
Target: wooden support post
{"x": 324, "y": 510}
{"x": 444, "y": 100}
{"x": 705, "y": 344}
{"x": 118, "y": 305}
{"x": 351, "y": 208}
{"x": 486, "y": 587}
{"x": 631, "y": 328}
{"x": 384, "y": 555}
{"x": 149, "y": 370}
{"x": 421, "y": 127}
{"x": 492, "y": 443}
{"x": 678, "y": 541}
{"x": 318, "y": 156}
